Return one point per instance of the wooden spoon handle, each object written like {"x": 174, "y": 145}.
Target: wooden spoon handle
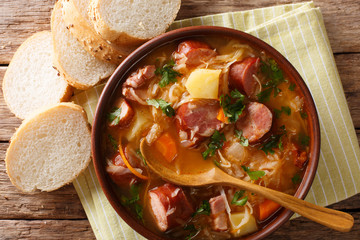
{"x": 337, "y": 220}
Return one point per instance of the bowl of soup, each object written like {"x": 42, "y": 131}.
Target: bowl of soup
{"x": 205, "y": 97}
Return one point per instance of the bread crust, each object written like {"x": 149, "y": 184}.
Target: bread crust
{"x": 57, "y": 64}
{"x": 35, "y": 116}
{"x": 90, "y": 40}
{"x": 120, "y": 38}
{"x": 66, "y": 94}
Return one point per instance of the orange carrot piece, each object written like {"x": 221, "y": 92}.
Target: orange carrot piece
{"x": 166, "y": 145}
{"x": 221, "y": 116}
{"x": 136, "y": 173}
{"x": 267, "y": 208}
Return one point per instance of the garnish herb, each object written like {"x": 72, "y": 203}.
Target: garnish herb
{"x": 132, "y": 201}
{"x": 216, "y": 142}
{"x": 113, "y": 142}
{"x": 114, "y": 116}
{"x": 232, "y": 105}
{"x": 303, "y": 114}
{"x": 165, "y": 106}
{"x": 254, "y": 175}
{"x": 193, "y": 231}
{"x": 296, "y": 179}
{"x": 274, "y": 142}
{"x": 304, "y": 139}
{"x": 237, "y": 195}
{"x": 292, "y": 86}
{"x": 243, "y": 141}
{"x": 216, "y": 163}
{"x": 284, "y": 109}
{"x": 138, "y": 152}
{"x": 203, "y": 209}
{"x": 272, "y": 71}
{"x": 167, "y": 73}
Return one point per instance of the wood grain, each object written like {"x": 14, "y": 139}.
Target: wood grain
{"x": 19, "y": 19}
{"x": 48, "y": 229}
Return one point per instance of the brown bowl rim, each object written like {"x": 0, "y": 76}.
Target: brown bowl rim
{"x": 123, "y": 69}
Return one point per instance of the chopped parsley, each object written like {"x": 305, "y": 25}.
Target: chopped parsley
{"x": 272, "y": 71}
{"x": 243, "y": 141}
{"x": 292, "y": 86}
{"x": 138, "y": 152}
{"x": 216, "y": 163}
{"x": 232, "y": 105}
{"x": 114, "y": 116}
{"x": 304, "y": 139}
{"x": 284, "y": 109}
{"x": 204, "y": 208}
{"x": 303, "y": 114}
{"x": 113, "y": 142}
{"x": 237, "y": 195}
{"x": 296, "y": 179}
{"x": 165, "y": 106}
{"x": 167, "y": 73}
{"x": 193, "y": 231}
{"x": 274, "y": 142}
{"x": 254, "y": 175}
{"x": 133, "y": 201}
{"x": 216, "y": 142}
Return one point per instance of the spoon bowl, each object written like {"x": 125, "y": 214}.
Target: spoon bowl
{"x": 336, "y": 220}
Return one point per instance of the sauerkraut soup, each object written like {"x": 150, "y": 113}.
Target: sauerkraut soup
{"x": 199, "y": 103}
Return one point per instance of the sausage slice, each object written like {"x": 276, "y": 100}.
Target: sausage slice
{"x": 196, "y": 120}
{"x": 169, "y": 206}
{"x": 125, "y": 116}
{"x": 138, "y": 78}
{"x": 256, "y": 121}
{"x": 194, "y": 52}
{"x": 241, "y": 75}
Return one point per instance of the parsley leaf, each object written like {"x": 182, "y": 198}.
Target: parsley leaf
{"x": 296, "y": 179}
{"x": 237, "y": 195}
{"x": 203, "y": 209}
{"x": 114, "y": 116}
{"x": 216, "y": 163}
{"x": 138, "y": 152}
{"x": 132, "y": 201}
{"x": 113, "y": 142}
{"x": 232, "y": 110}
{"x": 274, "y": 142}
{"x": 292, "y": 86}
{"x": 216, "y": 142}
{"x": 165, "y": 106}
{"x": 304, "y": 139}
{"x": 167, "y": 73}
{"x": 284, "y": 109}
{"x": 193, "y": 231}
{"x": 254, "y": 175}
{"x": 243, "y": 141}
{"x": 303, "y": 114}
{"x": 271, "y": 71}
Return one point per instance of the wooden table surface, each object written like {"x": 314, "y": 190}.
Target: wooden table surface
{"x": 59, "y": 214}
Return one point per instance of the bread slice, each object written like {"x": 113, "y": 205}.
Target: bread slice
{"x": 50, "y": 148}
{"x": 132, "y": 22}
{"x": 30, "y": 81}
{"x": 79, "y": 68}
{"x": 76, "y": 18}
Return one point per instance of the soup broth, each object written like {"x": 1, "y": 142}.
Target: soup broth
{"x": 203, "y": 103}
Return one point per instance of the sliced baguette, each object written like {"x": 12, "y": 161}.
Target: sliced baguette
{"x": 132, "y": 22}
{"x": 76, "y": 18}
{"x": 79, "y": 68}
{"x": 30, "y": 81}
{"x": 50, "y": 148}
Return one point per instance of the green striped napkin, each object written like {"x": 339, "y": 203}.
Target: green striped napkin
{"x": 298, "y": 32}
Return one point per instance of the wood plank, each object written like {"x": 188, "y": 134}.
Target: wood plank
{"x": 49, "y": 229}
{"x": 61, "y": 204}
{"x": 19, "y": 19}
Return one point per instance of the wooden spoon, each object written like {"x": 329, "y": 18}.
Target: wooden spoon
{"x": 337, "y": 220}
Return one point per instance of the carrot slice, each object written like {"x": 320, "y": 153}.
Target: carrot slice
{"x": 166, "y": 145}
{"x": 136, "y": 173}
{"x": 267, "y": 208}
{"x": 221, "y": 116}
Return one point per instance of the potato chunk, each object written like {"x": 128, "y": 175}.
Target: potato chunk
{"x": 249, "y": 227}
{"x": 203, "y": 83}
